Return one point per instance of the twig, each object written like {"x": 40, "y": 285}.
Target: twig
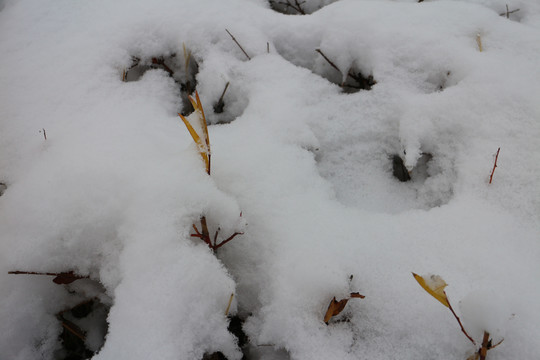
{"x": 227, "y": 240}
{"x": 72, "y": 328}
{"x": 507, "y": 13}
{"x": 44, "y": 133}
{"x": 327, "y": 59}
{"x": 229, "y": 306}
{"x": 297, "y": 6}
{"x": 60, "y": 278}
{"x": 479, "y": 42}
{"x": 204, "y": 235}
{"x": 460, "y": 324}
{"x": 237, "y": 43}
{"x": 268, "y": 47}
{"x": 161, "y": 61}
{"x": 218, "y": 108}
{"x": 494, "y": 165}
{"x": 363, "y": 82}
{"x": 485, "y": 346}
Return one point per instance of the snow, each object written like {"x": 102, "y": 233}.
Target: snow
{"x": 114, "y": 190}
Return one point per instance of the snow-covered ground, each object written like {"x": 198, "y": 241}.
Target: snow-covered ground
{"x": 114, "y": 188}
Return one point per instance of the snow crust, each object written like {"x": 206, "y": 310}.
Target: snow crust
{"x": 114, "y": 189}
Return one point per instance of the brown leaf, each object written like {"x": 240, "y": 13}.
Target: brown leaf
{"x": 67, "y": 278}
{"x": 336, "y": 307}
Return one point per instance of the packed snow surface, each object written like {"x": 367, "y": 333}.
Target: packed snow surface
{"x": 99, "y": 176}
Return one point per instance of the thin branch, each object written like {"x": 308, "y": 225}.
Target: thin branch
{"x": 507, "y": 13}
{"x": 228, "y": 239}
{"x": 485, "y": 346}
{"x": 460, "y": 324}
{"x": 494, "y": 165}
{"x": 216, "y": 235}
{"x": 237, "y": 43}
{"x": 327, "y": 59}
{"x": 220, "y": 105}
{"x": 161, "y": 61}
{"x": 479, "y": 42}
{"x": 297, "y": 6}
{"x": 364, "y": 83}
{"x": 60, "y": 278}
{"x": 229, "y": 305}
{"x": 74, "y": 329}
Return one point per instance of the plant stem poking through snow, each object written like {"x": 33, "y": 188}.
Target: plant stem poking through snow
{"x": 202, "y": 140}
{"x": 44, "y": 133}
{"x": 220, "y": 105}
{"x": 237, "y": 43}
{"x": 435, "y": 285}
{"x": 494, "y": 165}
{"x": 229, "y": 305}
{"x": 362, "y": 82}
{"x": 479, "y": 42}
{"x": 507, "y": 12}
{"x": 297, "y": 6}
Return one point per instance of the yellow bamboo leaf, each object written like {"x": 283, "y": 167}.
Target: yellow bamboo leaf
{"x": 203, "y": 121}
{"x": 203, "y": 150}
{"x": 434, "y": 285}
{"x": 191, "y": 130}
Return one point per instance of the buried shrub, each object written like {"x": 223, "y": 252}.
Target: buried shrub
{"x": 84, "y": 325}
{"x": 202, "y": 140}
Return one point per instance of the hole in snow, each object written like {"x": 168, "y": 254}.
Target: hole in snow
{"x": 84, "y": 322}
{"x": 437, "y": 82}
{"x": 3, "y": 188}
{"x": 417, "y": 174}
{"x": 298, "y": 7}
{"x": 183, "y": 69}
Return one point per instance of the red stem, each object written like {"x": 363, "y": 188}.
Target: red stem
{"x": 494, "y": 165}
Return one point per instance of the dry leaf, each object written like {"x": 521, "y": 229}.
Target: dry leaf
{"x": 336, "y": 307}
{"x": 434, "y": 285}
{"x": 67, "y": 278}
{"x": 201, "y": 139}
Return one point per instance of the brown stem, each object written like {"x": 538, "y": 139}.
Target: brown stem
{"x": 485, "y": 346}
{"x": 327, "y": 59}
{"x": 228, "y": 239}
{"x": 494, "y": 165}
{"x": 204, "y": 226}
{"x": 507, "y": 13}
{"x": 297, "y": 6}
{"x": 160, "y": 61}
{"x": 220, "y": 105}
{"x": 60, "y": 278}
{"x": 460, "y": 324}
{"x": 74, "y": 329}
{"x": 237, "y": 43}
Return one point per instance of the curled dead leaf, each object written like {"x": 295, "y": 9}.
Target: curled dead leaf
{"x": 336, "y": 307}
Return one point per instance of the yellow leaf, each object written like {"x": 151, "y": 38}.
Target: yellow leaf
{"x": 204, "y": 150}
{"x": 434, "y": 285}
